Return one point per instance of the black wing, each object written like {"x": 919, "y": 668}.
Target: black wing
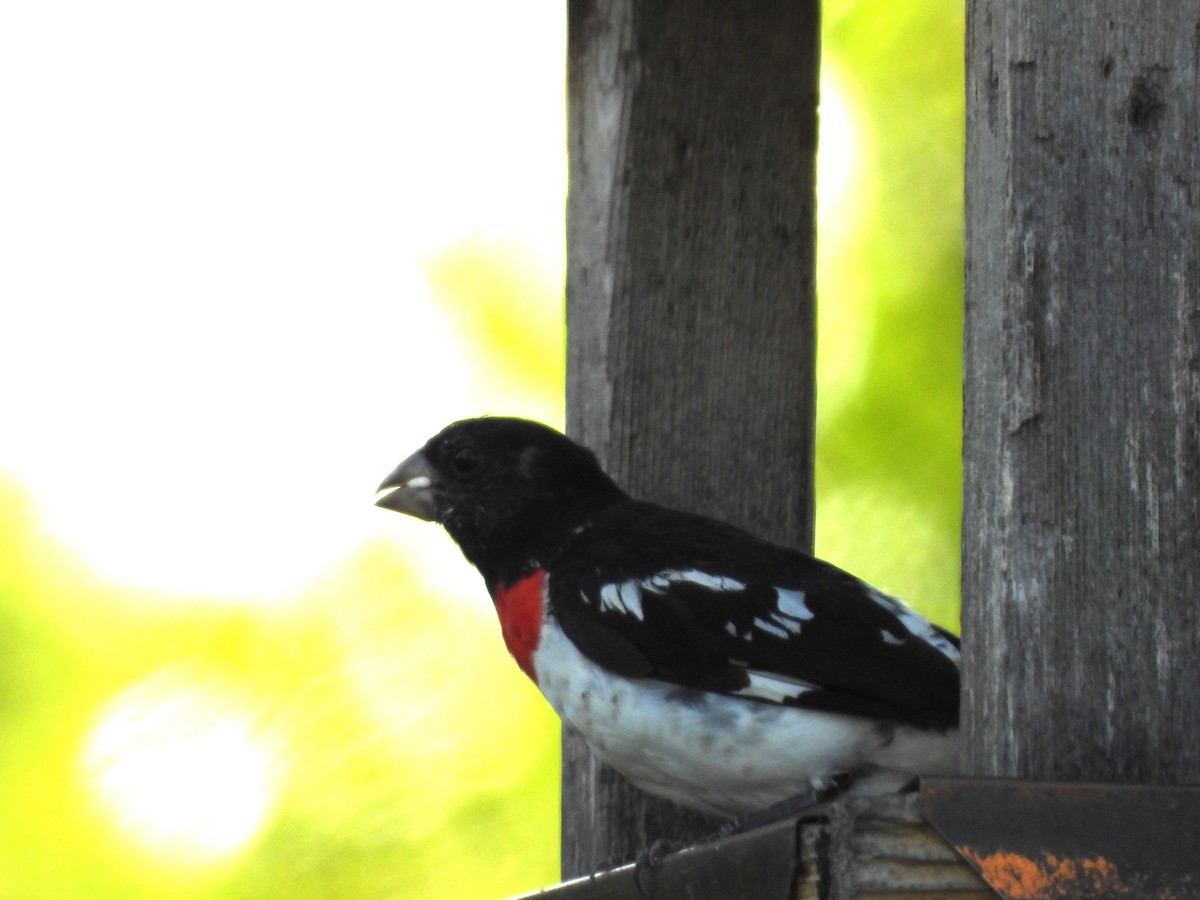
{"x": 649, "y": 592}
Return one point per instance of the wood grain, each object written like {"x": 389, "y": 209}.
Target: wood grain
{"x": 1081, "y": 549}
{"x": 689, "y": 294}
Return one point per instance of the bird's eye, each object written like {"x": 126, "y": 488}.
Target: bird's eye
{"x": 466, "y": 462}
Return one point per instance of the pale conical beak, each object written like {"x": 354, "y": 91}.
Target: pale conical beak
{"x": 410, "y": 489}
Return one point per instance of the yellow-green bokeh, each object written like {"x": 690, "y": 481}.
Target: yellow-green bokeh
{"x": 890, "y": 297}
{"x": 407, "y": 756}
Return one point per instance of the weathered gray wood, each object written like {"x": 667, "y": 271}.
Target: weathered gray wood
{"x": 1081, "y": 548}
{"x": 689, "y": 293}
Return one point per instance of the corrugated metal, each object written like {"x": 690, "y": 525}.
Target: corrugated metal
{"x": 880, "y": 848}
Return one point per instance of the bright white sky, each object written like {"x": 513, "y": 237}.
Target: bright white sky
{"x": 216, "y": 338}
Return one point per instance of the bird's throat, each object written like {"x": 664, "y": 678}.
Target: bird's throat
{"x": 519, "y": 606}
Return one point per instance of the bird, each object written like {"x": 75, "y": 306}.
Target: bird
{"x": 707, "y": 666}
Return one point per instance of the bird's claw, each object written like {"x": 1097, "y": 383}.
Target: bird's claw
{"x": 650, "y": 858}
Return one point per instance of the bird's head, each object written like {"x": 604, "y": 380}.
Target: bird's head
{"x": 497, "y": 483}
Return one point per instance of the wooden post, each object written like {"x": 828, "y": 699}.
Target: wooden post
{"x": 1081, "y": 538}
{"x": 692, "y": 138}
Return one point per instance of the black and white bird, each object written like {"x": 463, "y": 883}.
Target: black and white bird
{"x": 707, "y": 666}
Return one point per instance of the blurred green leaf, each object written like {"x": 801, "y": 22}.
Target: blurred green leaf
{"x": 401, "y": 770}
{"x": 506, "y": 305}
{"x": 399, "y": 764}
{"x": 889, "y": 470}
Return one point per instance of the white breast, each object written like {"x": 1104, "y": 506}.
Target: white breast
{"x": 724, "y": 755}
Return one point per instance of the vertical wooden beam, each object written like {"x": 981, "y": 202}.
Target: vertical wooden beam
{"x": 692, "y": 138}
{"x": 1081, "y": 538}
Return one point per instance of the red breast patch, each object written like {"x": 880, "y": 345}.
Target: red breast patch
{"x": 519, "y": 606}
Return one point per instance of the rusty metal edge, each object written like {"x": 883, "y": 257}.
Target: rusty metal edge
{"x": 1030, "y": 839}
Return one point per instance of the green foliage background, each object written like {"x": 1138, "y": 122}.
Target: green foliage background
{"x": 418, "y": 762}
{"x": 889, "y": 467}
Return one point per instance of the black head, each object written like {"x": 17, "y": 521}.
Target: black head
{"x": 497, "y": 484}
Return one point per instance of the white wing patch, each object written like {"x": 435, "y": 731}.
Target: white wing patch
{"x": 791, "y": 603}
{"x": 623, "y": 597}
{"x": 914, "y": 624}
{"x": 788, "y": 617}
{"x": 626, "y": 596}
{"x": 769, "y": 628}
{"x": 791, "y": 612}
{"x": 772, "y": 687}
{"x": 661, "y": 581}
